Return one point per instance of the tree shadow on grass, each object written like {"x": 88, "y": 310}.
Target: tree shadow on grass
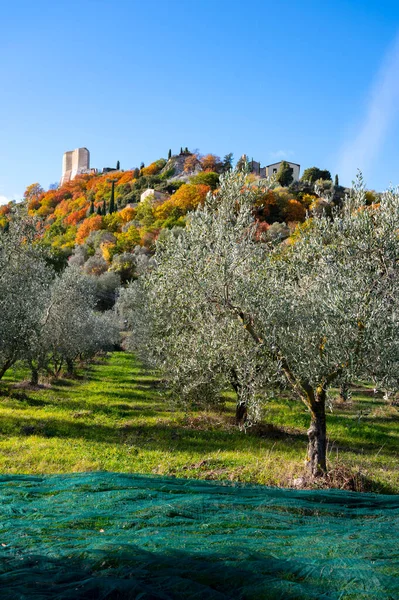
{"x": 354, "y": 429}
{"x": 161, "y": 436}
{"x": 61, "y": 383}
{"x": 167, "y": 435}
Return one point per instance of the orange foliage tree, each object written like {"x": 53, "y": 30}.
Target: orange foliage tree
{"x": 154, "y": 168}
{"x": 191, "y": 163}
{"x": 92, "y": 223}
{"x": 76, "y": 216}
{"x": 32, "y": 196}
{"x": 187, "y": 197}
{"x": 127, "y": 177}
{"x": 211, "y": 162}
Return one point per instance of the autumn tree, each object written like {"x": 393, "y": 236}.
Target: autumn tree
{"x": 92, "y": 223}
{"x": 191, "y": 163}
{"x": 154, "y": 168}
{"x": 295, "y": 211}
{"x": 211, "y": 162}
{"x": 186, "y": 198}
{"x": 32, "y": 195}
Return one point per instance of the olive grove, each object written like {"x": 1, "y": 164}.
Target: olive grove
{"x": 47, "y": 320}
{"x": 221, "y": 306}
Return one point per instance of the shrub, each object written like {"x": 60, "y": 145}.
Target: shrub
{"x": 209, "y": 178}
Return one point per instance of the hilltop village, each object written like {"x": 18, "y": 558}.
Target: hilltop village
{"x": 101, "y": 218}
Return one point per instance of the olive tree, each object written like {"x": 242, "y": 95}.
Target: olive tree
{"x": 177, "y": 321}
{"x": 326, "y": 306}
{"x": 71, "y": 328}
{"x": 199, "y": 352}
{"x": 25, "y": 280}
{"x": 314, "y": 312}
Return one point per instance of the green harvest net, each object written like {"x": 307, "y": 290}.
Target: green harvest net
{"x": 111, "y": 535}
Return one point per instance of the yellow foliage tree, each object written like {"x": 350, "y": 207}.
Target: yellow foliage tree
{"x": 187, "y": 197}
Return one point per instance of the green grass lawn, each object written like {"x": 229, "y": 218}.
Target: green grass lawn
{"x": 115, "y": 418}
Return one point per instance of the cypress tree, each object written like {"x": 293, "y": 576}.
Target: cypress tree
{"x": 181, "y": 150}
{"x": 91, "y": 211}
{"x": 104, "y": 211}
{"x": 336, "y": 181}
{"x": 118, "y": 165}
{"x": 228, "y": 162}
{"x": 112, "y": 201}
{"x": 99, "y": 210}
{"x": 169, "y": 154}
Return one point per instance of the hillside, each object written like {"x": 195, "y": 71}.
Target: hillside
{"x": 100, "y": 218}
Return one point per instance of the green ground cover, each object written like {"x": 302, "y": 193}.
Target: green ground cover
{"x": 115, "y": 418}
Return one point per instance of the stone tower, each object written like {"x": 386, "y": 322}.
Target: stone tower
{"x": 75, "y": 162}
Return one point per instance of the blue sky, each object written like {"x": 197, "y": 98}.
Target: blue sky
{"x": 314, "y": 82}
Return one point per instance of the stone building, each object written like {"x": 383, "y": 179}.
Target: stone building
{"x": 274, "y": 167}
{"x": 74, "y": 163}
{"x": 256, "y": 169}
{"x": 269, "y": 170}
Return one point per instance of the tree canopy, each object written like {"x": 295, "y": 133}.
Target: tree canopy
{"x": 312, "y": 174}
{"x": 308, "y": 314}
{"x": 285, "y": 174}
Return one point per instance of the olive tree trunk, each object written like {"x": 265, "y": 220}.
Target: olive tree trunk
{"x": 34, "y": 374}
{"x": 70, "y": 367}
{"x": 344, "y": 392}
{"x": 5, "y": 367}
{"x": 241, "y": 406}
{"x": 317, "y": 444}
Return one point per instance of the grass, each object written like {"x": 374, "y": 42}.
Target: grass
{"x": 115, "y": 418}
